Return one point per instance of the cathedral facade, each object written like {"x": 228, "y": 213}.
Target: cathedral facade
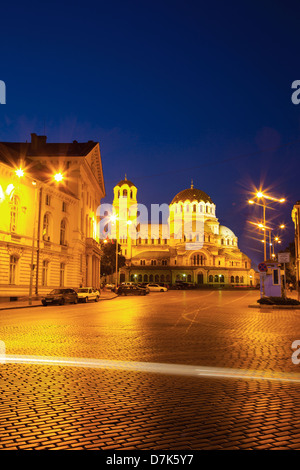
{"x": 191, "y": 245}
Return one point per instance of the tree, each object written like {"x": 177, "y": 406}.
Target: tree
{"x": 108, "y": 258}
{"x": 291, "y": 266}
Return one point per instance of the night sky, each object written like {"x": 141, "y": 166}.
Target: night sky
{"x": 172, "y": 90}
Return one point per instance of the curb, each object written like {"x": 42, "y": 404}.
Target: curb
{"x": 283, "y": 307}
{"x": 40, "y": 305}
{"x": 19, "y": 306}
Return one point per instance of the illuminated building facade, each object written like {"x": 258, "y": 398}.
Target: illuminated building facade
{"x": 296, "y": 219}
{"x": 159, "y": 254}
{"x": 49, "y": 194}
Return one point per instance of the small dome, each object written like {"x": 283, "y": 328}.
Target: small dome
{"x": 125, "y": 181}
{"x": 192, "y": 194}
{"x": 226, "y": 232}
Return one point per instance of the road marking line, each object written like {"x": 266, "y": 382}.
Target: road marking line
{"x": 158, "y": 368}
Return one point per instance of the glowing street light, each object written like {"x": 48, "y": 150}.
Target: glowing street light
{"x": 58, "y": 177}
{"x": 260, "y": 195}
{"x": 19, "y": 172}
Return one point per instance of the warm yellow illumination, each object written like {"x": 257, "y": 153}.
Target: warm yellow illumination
{"x": 19, "y": 172}
{"x": 113, "y": 218}
{"x": 129, "y": 222}
{"x": 251, "y": 202}
{"x": 58, "y": 177}
{"x": 9, "y": 189}
{"x": 259, "y": 194}
{"x": 282, "y": 226}
{"x": 282, "y": 200}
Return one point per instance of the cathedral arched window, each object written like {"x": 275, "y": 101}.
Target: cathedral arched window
{"x": 237, "y": 279}
{"x": 145, "y": 277}
{"x": 232, "y": 279}
{"x": 151, "y": 278}
{"x": 194, "y": 208}
{"x": 216, "y": 279}
{"x": 156, "y": 278}
{"x": 210, "y": 278}
{"x": 222, "y": 279}
{"x": 131, "y": 194}
{"x": 124, "y": 192}
{"x": 242, "y": 279}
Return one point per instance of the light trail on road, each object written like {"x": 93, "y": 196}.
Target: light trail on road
{"x": 156, "y": 368}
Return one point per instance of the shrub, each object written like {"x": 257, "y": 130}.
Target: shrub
{"x": 277, "y": 301}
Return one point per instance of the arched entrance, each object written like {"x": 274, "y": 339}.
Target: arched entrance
{"x": 200, "y": 278}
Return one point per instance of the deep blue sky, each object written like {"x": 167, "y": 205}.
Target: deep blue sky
{"x": 172, "y": 90}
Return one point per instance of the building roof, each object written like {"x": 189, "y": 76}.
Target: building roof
{"x": 191, "y": 194}
{"x": 38, "y": 147}
{"x": 125, "y": 181}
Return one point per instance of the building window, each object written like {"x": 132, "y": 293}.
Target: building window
{"x": 145, "y": 277}
{"x": 216, "y": 278}
{"x": 222, "y": 279}
{"x": 164, "y": 262}
{"x": 64, "y": 206}
{"x": 242, "y": 279}
{"x": 13, "y": 261}
{"x": 142, "y": 262}
{"x": 46, "y": 224}
{"x": 153, "y": 262}
{"x": 62, "y": 274}
{"x": 63, "y": 232}
{"x": 151, "y": 278}
{"x": 124, "y": 192}
{"x": 45, "y": 273}
{"x": 232, "y": 279}
{"x": 210, "y": 278}
{"x": 189, "y": 278}
{"x": 156, "y": 279}
{"x": 140, "y": 278}
{"x": 246, "y": 264}
{"x": 14, "y": 213}
{"x": 48, "y": 200}
{"x": 237, "y": 279}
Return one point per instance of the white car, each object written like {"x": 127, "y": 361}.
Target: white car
{"x": 88, "y": 293}
{"x": 110, "y": 285}
{"x": 156, "y": 288}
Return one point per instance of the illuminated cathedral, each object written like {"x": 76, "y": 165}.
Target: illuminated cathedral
{"x": 162, "y": 252}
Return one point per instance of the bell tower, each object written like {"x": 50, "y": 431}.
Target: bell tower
{"x": 125, "y": 213}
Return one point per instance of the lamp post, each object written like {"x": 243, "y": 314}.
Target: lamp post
{"x": 262, "y": 196}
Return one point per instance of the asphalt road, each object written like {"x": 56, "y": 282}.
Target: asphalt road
{"x": 176, "y": 370}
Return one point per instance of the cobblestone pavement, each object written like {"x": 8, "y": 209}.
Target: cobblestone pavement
{"x": 57, "y": 407}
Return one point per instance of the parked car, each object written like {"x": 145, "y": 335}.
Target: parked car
{"x": 156, "y": 288}
{"x": 144, "y": 286}
{"x": 131, "y": 290}
{"x": 88, "y": 293}
{"x": 184, "y": 285}
{"x": 110, "y": 285}
{"x": 61, "y": 297}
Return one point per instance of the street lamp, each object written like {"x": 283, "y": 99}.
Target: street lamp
{"x": 262, "y": 196}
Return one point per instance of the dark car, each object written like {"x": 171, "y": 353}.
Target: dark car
{"x": 144, "y": 286}
{"x": 61, "y": 297}
{"x": 131, "y": 290}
